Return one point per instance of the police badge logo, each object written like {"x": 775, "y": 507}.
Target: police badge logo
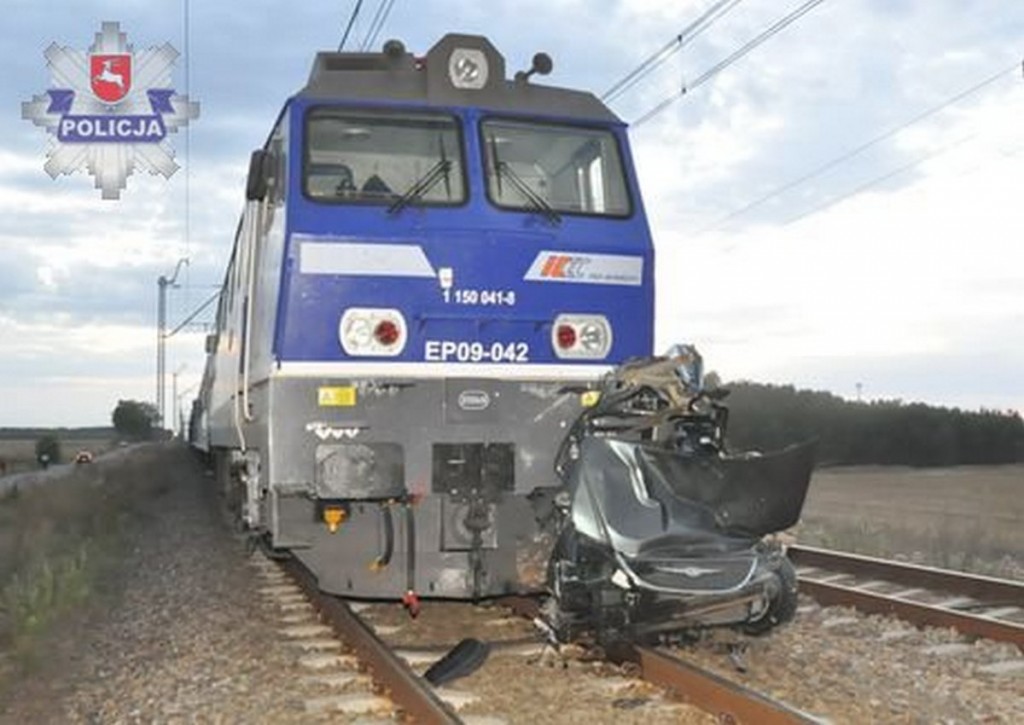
{"x": 110, "y": 110}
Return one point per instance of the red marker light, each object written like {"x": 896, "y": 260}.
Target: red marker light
{"x": 386, "y": 333}
{"x": 566, "y": 336}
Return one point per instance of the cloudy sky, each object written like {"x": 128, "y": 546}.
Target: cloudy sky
{"x": 897, "y": 272}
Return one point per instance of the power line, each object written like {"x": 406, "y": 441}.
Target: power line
{"x": 194, "y": 314}
{"x": 906, "y": 167}
{"x": 351, "y": 21}
{"x": 879, "y": 179}
{"x": 377, "y": 24}
{"x": 856, "y": 151}
{"x": 750, "y": 45}
{"x": 688, "y": 34}
{"x": 373, "y": 22}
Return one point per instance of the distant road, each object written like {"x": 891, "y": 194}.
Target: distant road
{"x": 27, "y": 479}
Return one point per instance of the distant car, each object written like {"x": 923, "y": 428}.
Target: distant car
{"x": 84, "y": 457}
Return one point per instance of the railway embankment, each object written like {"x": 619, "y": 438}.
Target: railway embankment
{"x": 60, "y": 530}
{"x": 165, "y": 621}
{"x": 175, "y": 627}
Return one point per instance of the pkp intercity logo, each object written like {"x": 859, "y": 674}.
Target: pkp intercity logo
{"x": 580, "y": 268}
{"x": 110, "y": 110}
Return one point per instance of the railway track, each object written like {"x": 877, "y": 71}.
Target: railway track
{"x": 728, "y": 701}
{"x": 411, "y": 693}
{"x": 391, "y": 667}
{"x": 925, "y": 596}
{"x": 388, "y": 664}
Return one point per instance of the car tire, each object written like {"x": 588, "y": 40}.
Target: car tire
{"x": 782, "y": 607}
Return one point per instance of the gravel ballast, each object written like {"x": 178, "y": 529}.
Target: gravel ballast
{"x": 184, "y": 634}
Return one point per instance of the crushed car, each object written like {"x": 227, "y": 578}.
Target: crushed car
{"x": 662, "y": 531}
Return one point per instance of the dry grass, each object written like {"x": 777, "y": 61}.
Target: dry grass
{"x": 965, "y": 517}
{"x": 55, "y": 538}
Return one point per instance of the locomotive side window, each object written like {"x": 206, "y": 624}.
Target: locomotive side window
{"x": 554, "y": 168}
{"x": 279, "y": 153}
{"x": 381, "y": 157}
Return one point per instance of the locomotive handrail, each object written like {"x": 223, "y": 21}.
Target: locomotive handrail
{"x": 250, "y": 263}
{"x": 240, "y": 395}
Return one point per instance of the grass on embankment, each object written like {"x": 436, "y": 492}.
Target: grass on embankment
{"x": 59, "y": 538}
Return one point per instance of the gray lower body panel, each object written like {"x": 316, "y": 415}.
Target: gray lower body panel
{"x": 443, "y": 482}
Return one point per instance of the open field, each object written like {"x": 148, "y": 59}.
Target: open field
{"x": 20, "y": 453}
{"x": 964, "y": 517}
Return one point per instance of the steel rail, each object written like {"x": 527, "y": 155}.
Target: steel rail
{"x": 411, "y": 693}
{"x": 728, "y": 701}
{"x": 929, "y": 615}
{"x": 994, "y": 592}
{"x": 984, "y": 588}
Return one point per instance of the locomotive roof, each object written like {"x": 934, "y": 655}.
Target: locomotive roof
{"x": 469, "y": 61}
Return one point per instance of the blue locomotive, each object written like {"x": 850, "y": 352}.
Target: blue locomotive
{"x": 420, "y": 383}
{"x": 433, "y": 262}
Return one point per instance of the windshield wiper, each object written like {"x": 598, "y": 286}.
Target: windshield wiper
{"x": 440, "y": 170}
{"x": 422, "y": 185}
{"x": 535, "y": 200}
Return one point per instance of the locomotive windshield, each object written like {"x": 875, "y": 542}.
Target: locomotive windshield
{"x": 554, "y": 168}
{"x": 379, "y": 157}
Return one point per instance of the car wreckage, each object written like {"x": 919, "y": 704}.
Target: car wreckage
{"x": 661, "y": 530}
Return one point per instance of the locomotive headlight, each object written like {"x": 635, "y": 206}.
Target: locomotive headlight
{"x": 467, "y": 69}
{"x": 592, "y": 337}
{"x": 356, "y": 333}
{"x": 581, "y": 337}
{"x": 372, "y": 331}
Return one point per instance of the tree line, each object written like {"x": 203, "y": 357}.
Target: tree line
{"x": 62, "y": 433}
{"x": 885, "y": 432}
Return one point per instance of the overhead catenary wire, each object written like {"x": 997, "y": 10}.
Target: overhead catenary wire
{"x": 377, "y": 23}
{"x": 351, "y": 22}
{"x": 901, "y": 169}
{"x": 373, "y": 22}
{"x": 879, "y": 179}
{"x": 684, "y": 38}
{"x": 746, "y": 48}
{"x": 195, "y": 313}
{"x": 857, "y": 150}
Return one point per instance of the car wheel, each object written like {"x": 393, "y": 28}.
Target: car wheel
{"x": 782, "y": 607}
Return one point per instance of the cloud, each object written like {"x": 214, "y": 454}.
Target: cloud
{"x": 880, "y": 283}
{"x": 832, "y": 96}
{"x": 60, "y": 372}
